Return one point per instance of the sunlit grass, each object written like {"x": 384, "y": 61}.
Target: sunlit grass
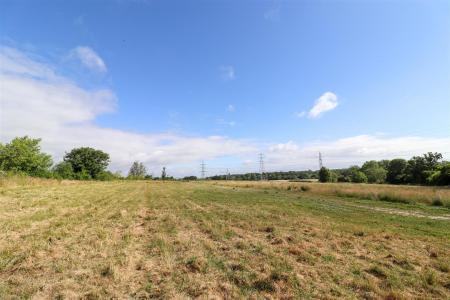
{"x": 141, "y": 239}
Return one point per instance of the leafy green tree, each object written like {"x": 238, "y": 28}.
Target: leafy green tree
{"x": 325, "y": 175}
{"x": 137, "y": 171}
{"x": 64, "y": 170}
{"x": 441, "y": 176}
{"x": 420, "y": 168}
{"x": 384, "y": 163}
{"x": 87, "y": 162}
{"x": 374, "y": 172}
{"x": 23, "y": 154}
{"x": 396, "y": 171}
{"x": 358, "y": 177}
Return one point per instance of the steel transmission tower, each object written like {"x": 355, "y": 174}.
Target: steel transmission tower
{"x": 320, "y": 161}
{"x": 261, "y": 165}
{"x": 203, "y": 170}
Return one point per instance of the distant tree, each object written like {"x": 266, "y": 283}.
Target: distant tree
{"x": 63, "y": 170}
{"x": 87, "y": 162}
{"x": 352, "y": 174}
{"x": 441, "y": 176}
{"x": 357, "y": 176}
{"x": 396, "y": 171}
{"x": 419, "y": 168}
{"x": 137, "y": 170}
{"x": 23, "y": 154}
{"x": 432, "y": 160}
{"x": 163, "y": 173}
{"x": 384, "y": 163}
{"x": 374, "y": 172}
{"x": 325, "y": 175}
{"x": 190, "y": 178}
{"x": 334, "y": 176}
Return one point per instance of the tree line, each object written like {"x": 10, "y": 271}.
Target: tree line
{"x": 428, "y": 169}
{"x": 289, "y": 175}
{"x": 23, "y": 155}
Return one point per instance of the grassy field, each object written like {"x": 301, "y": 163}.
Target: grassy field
{"x": 138, "y": 239}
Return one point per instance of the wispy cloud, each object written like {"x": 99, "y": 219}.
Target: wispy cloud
{"x": 328, "y": 101}
{"x": 227, "y": 73}
{"x": 89, "y": 58}
{"x": 231, "y": 108}
{"x": 37, "y": 101}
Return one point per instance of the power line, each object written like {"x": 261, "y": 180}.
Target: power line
{"x": 261, "y": 165}
{"x": 203, "y": 170}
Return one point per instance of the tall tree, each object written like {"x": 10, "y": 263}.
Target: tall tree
{"x": 396, "y": 171}
{"x": 87, "y": 161}
{"x": 374, "y": 172}
{"x": 163, "y": 173}
{"x": 137, "y": 170}
{"x": 23, "y": 154}
{"x": 419, "y": 168}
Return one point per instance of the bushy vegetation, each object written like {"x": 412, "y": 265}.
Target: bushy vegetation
{"x": 289, "y": 175}
{"x": 428, "y": 169}
{"x": 23, "y": 156}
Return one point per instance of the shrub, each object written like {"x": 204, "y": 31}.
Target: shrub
{"x": 63, "y": 170}
{"x": 305, "y": 188}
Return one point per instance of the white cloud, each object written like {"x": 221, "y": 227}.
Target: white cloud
{"x": 352, "y": 150}
{"x": 328, "y": 101}
{"x": 231, "y": 108}
{"x": 89, "y": 58}
{"x": 37, "y": 102}
{"x": 227, "y": 73}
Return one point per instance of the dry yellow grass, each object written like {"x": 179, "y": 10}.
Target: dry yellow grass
{"x": 393, "y": 193}
{"x": 138, "y": 239}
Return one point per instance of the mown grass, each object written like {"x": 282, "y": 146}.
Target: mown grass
{"x": 139, "y": 239}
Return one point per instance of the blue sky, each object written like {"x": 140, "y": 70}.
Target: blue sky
{"x": 235, "y": 78}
